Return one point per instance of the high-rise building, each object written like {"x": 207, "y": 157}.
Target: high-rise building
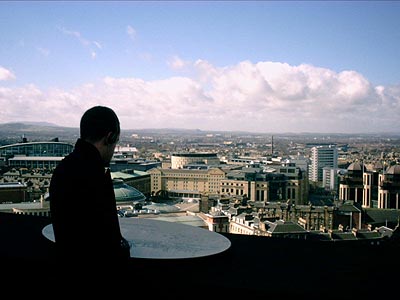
{"x": 330, "y": 177}
{"x": 322, "y": 156}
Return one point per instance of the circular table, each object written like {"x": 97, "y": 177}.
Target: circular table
{"x": 157, "y": 239}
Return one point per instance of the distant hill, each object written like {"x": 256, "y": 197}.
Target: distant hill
{"x": 45, "y": 130}
{"x": 22, "y": 127}
{"x": 30, "y": 126}
{"x": 37, "y": 123}
{"x": 15, "y": 132}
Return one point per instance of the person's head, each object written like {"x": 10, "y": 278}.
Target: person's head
{"x": 100, "y": 126}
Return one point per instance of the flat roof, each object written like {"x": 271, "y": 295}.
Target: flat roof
{"x": 11, "y": 184}
{"x": 21, "y": 205}
{"x": 35, "y": 143}
{"x": 124, "y": 175}
{"x": 41, "y": 158}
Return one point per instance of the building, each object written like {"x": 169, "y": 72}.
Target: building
{"x": 34, "y": 162}
{"x": 179, "y": 160}
{"x": 242, "y": 224}
{"x": 287, "y": 183}
{"x": 322, "y": 156}
{"x": 13, "y": 192}
{"x": 35, "y": 154}
{"x": 371, "y": 187}
{"x": 36, "y": 181}
{"x": 330, "y": 178}
{"x": 136, "y": 179}
{"x": 389, "y": 188}
{"x": 351, "y": 185}
{"x": 370, "y": 180}
{"x": 53, "y": 149}
{"x": 282, "y": 229}
{"x": 121, "y": 164}
{"x": 126, "y": 194}
{"x": 177, "y": 183}
{"x": 216, "y": 221}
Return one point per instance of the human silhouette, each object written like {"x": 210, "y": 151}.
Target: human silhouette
{"x": 83, "y": 209}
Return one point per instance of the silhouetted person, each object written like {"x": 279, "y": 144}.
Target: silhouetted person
{"x": 84, "y": 216}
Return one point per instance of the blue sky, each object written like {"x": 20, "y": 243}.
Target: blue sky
{"x": 262, "y": 66}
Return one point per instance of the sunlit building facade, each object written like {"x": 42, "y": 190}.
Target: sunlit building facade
{"x": 180, "y": 160}
{"x": 322, "y": 156}
{"x": 185, "y": 182}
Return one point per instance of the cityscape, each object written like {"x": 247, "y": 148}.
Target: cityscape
{"x": 259, "y": 149}
{"x": 286, "y": 188}
{"x": 274, "y": 178}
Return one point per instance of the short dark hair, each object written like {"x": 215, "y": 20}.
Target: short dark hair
{"x": 97, "y": 122}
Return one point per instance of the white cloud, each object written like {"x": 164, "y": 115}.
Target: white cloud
{"x": 77, "y": 35}
{"x": 97, "y": 44}
{"x": 6, "y": 74}
{"x": 88, "y": 44}
{"x": 177, "y": 63}
{"x": 131, "y": 32}
{"x": 259, "y": 97}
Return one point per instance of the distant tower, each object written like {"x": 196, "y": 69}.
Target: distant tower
{"x": 272, "y": 145}
{"x": 322, "y": 156}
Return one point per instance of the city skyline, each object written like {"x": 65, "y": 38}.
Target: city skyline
{"x": 262, "y": 66}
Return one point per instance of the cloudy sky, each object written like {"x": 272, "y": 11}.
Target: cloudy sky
{"x": 262, "y": 66}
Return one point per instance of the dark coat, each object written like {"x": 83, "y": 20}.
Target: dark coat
{"x": 83, "y": 209}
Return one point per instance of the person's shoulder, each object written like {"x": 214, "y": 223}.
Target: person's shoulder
{"x": 69, "y": 162}
{"x": 78, "y": 166}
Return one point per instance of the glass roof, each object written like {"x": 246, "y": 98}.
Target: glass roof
{"x": 126, "y": 193}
